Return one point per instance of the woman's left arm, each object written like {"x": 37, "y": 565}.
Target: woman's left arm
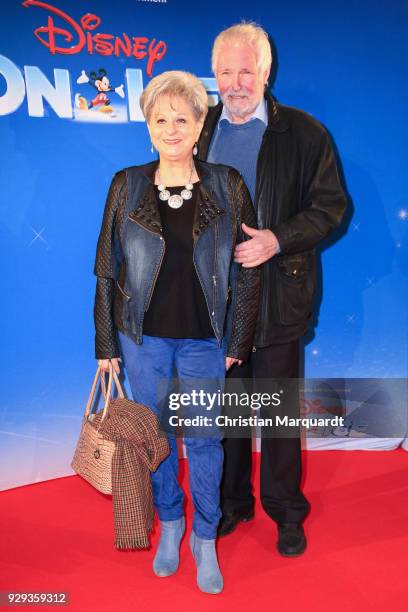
{"x": 106, "y": 268}
{"x": 245, "y": 282}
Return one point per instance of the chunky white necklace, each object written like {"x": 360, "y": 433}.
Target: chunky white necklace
{"x": 176, "y": 200}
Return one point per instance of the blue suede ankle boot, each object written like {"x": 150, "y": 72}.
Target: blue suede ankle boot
{"x": 209, "y": 578}
{"x": 166, "y": 560}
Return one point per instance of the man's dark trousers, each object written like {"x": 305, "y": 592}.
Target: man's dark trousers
{"x": 281, "y": 468}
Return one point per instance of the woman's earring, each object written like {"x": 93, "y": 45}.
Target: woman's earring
{"x": 195, "y": 150}
{"x": 152, "y": 149}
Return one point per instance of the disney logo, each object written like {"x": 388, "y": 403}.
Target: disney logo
{"x": 74, "y": 37}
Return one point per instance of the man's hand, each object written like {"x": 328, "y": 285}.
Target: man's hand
{"x": 229, "y": 361}
{"x": 104, "y": 364}
{"x": 262, "y": 246}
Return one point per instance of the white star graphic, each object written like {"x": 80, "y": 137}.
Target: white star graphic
{"x": 38, "y": 236}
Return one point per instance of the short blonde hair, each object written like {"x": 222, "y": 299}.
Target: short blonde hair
{"x": 245, "y": 33}
{"x": 175, "y": 83}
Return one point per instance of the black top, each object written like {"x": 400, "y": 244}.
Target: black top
{"x": 178, "y": 308}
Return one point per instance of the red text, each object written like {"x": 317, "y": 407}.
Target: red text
{"x": 74, "y": 37}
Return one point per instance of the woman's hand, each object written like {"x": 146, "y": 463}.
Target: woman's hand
{"x": 229, "y": 361}
{"x": 104, "y": 364}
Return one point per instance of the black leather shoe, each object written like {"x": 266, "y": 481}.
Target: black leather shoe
{"x": 291, "y": 540}
{"x": 230, "y": 520}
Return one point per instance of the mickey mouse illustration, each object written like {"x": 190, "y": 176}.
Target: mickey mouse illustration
{"x": 102, "y": 84}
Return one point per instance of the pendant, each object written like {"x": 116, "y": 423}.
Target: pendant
{"x": 164, "y": 195}
{"x": 175, "y": 201}
{"x": 186, "y": 194}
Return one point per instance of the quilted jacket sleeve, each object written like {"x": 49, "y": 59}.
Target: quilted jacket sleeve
{"x": 245, "y": 282}
{"x": 107, "y": 265}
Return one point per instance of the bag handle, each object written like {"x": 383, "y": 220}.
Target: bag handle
{"x": 119, "y": 387}
{"x": 106, "y": 392}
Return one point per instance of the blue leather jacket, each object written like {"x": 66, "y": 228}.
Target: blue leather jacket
{"x": 131, "y": 248}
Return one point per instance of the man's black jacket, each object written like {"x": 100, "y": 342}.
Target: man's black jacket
{"x": 300, "y": 198}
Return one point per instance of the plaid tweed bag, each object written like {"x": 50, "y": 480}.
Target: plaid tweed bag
{"x": 128, "y": 439}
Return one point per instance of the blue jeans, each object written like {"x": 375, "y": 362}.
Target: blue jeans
{"x": 152, "y": 368}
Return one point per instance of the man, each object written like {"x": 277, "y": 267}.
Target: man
{"x": 287, "y": 161}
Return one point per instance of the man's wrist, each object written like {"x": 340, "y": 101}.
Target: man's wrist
{"x": 277, "y": 245}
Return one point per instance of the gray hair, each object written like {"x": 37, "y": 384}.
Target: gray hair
{"x": 175, "y": 83}
{"x": 245, "y": 33}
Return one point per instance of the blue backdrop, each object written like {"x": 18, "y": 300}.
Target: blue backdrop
{"x": 345, "y": 63}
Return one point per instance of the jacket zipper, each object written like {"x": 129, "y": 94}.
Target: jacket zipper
{"x": 257, "y": 183}
{"x": 205, "y": 297}
{"x": 122, "y": 292}
{"x": 159, "y": 264}
{"x": 156, "y": 274}
{"x": 262, "y": 305}
{"x": 214, "y": 276}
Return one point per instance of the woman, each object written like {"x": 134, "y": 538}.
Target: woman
{"x": 170, "y": 300}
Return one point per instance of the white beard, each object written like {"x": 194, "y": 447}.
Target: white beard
{"x": 236, "y": 108}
